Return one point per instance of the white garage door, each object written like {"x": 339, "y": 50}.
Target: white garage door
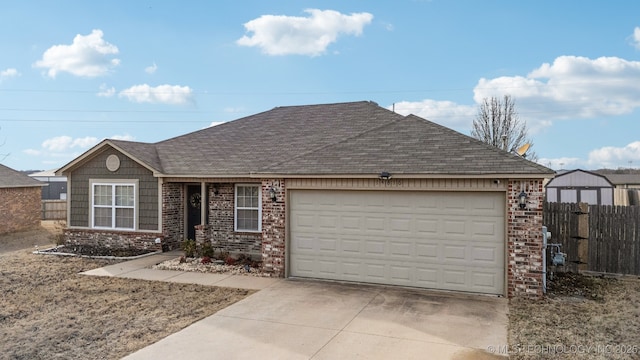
{"x": 439, "y": 240}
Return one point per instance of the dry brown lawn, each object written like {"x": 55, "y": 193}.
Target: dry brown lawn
{"x": 582, "y": 317}
{"x": 49, "y": 311}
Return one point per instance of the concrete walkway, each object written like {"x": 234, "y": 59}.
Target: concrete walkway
{"x": 140, "y": 269}
{"x": 306, "y": 319}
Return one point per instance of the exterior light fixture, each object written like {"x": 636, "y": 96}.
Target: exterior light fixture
{"x": 272, "y": 193}
{"x": 522, "y": 200}
{"x": 384, "y": 176}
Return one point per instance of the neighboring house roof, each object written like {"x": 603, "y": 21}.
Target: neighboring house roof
{"x": 332, "y": 139}
{"x": 10, "y": 178}
{"x": 623, "y": 179}
{"x": 579, "y": 178}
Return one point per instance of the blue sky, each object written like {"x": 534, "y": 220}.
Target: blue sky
{"x": 75, "y": 72}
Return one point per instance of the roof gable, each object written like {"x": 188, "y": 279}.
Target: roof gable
{"x": 144, "y": 154}
{"x": 579, "y": 178}
{"x": 10, "y": 178}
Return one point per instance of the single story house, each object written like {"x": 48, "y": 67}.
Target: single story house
{"x": 577, "y": 186}
{"x": 20, "y": 203}
{"x": 346, "y": 191}
{"x": 56, "y": 188}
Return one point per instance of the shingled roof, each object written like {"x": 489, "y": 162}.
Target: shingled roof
{"x": 357, "y": 138}
{"x": 10, "y": 178}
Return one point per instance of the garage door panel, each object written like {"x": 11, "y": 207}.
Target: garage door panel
{"x": 401, "y": 249}
{"x": 375, "y": 248}
{"x": 454, "y": 253}
{"x": 452, "y": 241}
{"x": 429, "y": 251}
{"x": 374, "y": 224}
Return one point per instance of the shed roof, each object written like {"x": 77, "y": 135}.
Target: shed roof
{"x": 10, "y": 178}
{"x": 579, "y": 178}
{"x": 355, "y": 138}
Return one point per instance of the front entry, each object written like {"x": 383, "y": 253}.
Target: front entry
{"x": 194, "y": 212}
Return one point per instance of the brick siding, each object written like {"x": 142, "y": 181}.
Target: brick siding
{"x": 524, "y": 240}
{"x": 220, "y": 224}
{"x": 113, "y": 239}
{"x": 172, "y": 215}
{"x": 273, "y": 227}
{"x": 20, "y": 208}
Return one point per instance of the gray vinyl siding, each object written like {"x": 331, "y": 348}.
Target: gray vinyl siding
{"x": 95, "y": 168}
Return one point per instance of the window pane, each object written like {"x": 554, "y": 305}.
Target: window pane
{"x": 102, "y": 217}
{"x": 125, "y": 195}
{"x": 247, "y": 220}
{"x": 254, "y": 197}
{"x": 241, "y": 197}
{"x": 124, "y": 218}
{"x": 102, "y": 195}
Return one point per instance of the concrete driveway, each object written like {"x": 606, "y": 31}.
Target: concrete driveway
{"x": 296, "y": 319}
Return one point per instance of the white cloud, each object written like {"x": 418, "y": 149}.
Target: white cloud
{"x": 635, "y": 38}
{"x": 88, "y": 56}
{"x": 125, "y": 137}
{"x": 64, "y": 143}
{"x": 151, "y": 69}
{"x": 445, "y": 113}
{"x": 165, "y": 94}
{"x": 284, "y": 35}
{"x": 571, "y": 87}
{"x": 8, "y": 73}
{"x": 106, "y": 91}
{"x": 613, "y": 157}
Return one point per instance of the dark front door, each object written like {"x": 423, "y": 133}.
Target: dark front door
{"x": 194, "y": 212}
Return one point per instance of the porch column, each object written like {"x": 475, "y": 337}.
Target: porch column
{"x": 203, "y": 203}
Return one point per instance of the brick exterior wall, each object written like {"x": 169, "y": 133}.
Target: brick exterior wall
{"x": 524, "y": 239}
{"x": 173, "y": 199}
{"x": 220, "y": 223}
{"x": 273, "y": 227}
{"x": 113, "y": 239}
{"x": 20, "y": 208}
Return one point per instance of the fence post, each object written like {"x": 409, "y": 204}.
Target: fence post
{"x": 582, "y": 236}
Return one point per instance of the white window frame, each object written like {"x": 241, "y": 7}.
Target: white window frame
{"x": 113, "y": 206}
{"x": 236, "y": 208}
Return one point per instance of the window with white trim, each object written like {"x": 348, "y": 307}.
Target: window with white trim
{"x": 248, "y": 208}
{"x": 113, "y": 205}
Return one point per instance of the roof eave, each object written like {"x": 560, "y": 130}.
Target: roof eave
{"x": 405, "y": 176}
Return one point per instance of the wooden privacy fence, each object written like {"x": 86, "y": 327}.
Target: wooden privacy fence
{"x": 596, "y": 238}
{"x": 54, "y": 209}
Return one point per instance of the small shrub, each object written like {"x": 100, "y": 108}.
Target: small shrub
{"x": 206, "y": 250}
{"x": 230, "y": 261}
{"x": 59, "y": 237}
{"x": 183, "y": 260}
{"x": 222, "y": 254}
{"x": 205, "y": 260}
{"x": 189, "y": 248}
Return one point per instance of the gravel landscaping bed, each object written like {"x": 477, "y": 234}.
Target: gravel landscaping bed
{"x": 96, "y": 251}
{"x": 218, "y": 267}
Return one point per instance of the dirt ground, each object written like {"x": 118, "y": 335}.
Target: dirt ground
{"x": 582, "y": 317}
{"x": 49, "y": 311}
